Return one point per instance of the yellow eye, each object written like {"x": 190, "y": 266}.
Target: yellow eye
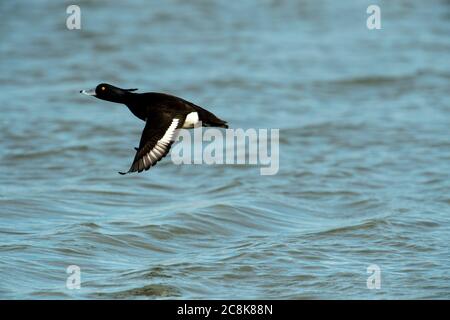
{"x": 103, "y": 88}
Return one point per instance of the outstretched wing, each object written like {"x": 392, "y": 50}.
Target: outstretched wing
{"x": 157, "y": 138}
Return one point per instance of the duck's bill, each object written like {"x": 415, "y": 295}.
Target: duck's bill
{"x": 90, "y": 92}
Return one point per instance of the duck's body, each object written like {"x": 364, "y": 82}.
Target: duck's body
{"x": 163, "y": 113}
{"x": 146, "y": 105}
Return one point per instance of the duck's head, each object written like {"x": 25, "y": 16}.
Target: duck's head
{"x": 108, "y": 92}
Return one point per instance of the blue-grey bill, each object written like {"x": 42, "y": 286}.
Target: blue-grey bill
{"x": 90, "y": 92}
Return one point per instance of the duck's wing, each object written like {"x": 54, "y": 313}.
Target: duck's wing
{"x": 157, "y": 137}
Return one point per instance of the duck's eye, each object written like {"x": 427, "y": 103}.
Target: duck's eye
{"x": 103, "y": 88}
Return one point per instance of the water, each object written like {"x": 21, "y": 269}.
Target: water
{"x": 364, "y": 151}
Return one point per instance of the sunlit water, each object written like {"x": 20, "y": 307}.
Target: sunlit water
{"x": 364, "y": 151}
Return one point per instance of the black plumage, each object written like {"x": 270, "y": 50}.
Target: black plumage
{"x": 164, "y": 115}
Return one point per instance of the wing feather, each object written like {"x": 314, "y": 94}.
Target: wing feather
{"x": 156, "y": 140}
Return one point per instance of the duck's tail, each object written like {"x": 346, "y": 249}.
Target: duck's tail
{"x": 208, "y": 119}
{"x": 217, "y": 123}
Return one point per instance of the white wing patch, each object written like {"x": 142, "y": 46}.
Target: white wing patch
{"x": 170, "y": 132}
{"x": 159, "y": 150}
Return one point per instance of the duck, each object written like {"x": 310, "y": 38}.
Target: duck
{"x": 164, "y": 115}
